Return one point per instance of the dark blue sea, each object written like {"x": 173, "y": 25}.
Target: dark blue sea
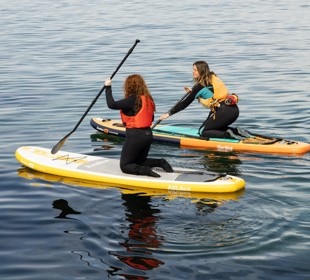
{"x": 54, "y": 58}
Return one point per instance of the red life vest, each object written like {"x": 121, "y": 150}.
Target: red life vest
{"x": 143, "y": 118}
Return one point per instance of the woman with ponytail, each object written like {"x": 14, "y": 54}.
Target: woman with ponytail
{"x": 212, "y": 93}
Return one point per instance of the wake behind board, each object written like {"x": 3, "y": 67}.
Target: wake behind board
{"x": 187, "y": 137}
{"x": 106, "y": 170}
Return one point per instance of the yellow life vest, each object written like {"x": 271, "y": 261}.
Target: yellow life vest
{"x": 220, "y": 93}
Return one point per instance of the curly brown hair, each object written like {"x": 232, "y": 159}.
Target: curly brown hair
{"x": 135, "y": 85}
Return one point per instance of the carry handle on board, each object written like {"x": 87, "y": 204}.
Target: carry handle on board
{"x": 58, "y": 146}
{"x": 183, "y": 98}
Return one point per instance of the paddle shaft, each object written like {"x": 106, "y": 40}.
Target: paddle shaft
{"x": 183, "y": 97}
{"x": 58, "y": 146}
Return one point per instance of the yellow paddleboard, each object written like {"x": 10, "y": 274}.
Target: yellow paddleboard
{"x": 106, "y": 170}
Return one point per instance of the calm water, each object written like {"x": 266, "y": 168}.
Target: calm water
{"x": 54, "y": 58}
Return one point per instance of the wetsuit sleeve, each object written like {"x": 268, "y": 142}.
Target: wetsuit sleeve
{"x": 122, "y": 104}
{"x": 186, "y": 101}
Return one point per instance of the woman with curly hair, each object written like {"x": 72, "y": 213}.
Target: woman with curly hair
{"x": 137, "y": 112}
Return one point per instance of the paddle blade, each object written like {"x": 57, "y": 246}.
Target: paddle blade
{"x": 58, "y": 146}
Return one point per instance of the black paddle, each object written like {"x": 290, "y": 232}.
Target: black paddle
{"x": 58, "y": 146}
{"x": 183, "y": 98}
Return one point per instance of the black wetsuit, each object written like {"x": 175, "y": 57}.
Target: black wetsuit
{"x": 138, "y": 141}
{"x": 212, "y": 127}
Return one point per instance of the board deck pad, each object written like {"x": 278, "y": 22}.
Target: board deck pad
{"x": 178, "y": 130}
{"x": 100, "y": 165}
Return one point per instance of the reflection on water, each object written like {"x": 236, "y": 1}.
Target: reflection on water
{"x": 142, "y": 235}
{"x": 105, "y": 138}
{"x": 149, "y": 230}
{"x": 139, "y": 239}
{"x": 219, "y": 162}
{"x": 63, "y": 205}
{"x": 207, "y": 198}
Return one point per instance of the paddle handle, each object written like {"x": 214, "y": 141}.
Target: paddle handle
{"x": 122, "y": 62}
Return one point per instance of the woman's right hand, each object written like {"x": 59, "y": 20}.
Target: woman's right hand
{"x": 108, "y": 82}
{"x": 187, "y": 89}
